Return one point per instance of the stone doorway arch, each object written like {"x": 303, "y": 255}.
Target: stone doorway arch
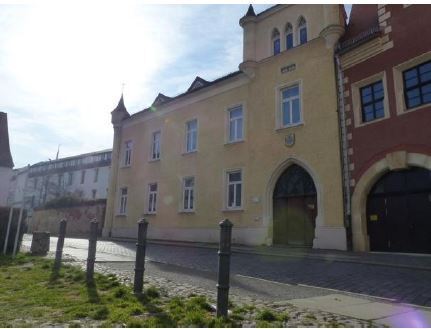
{"x": 392, "y": 161}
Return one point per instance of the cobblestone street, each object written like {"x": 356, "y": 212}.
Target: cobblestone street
{"x": 291, "y": 277}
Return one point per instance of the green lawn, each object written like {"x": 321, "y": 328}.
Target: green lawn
{"x": 31, "y": 296}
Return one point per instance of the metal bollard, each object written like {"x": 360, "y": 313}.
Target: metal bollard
{"x": 224, "y": 267}
{"x": 60, "y": 244}
{"x": 140, "y": 256}
{"x": 92, "y": 243}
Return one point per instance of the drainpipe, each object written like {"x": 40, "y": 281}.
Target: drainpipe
{"x": 344, "y": 156}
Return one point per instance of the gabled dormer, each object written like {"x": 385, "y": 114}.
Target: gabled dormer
{"x": 160, "y": 99}
{"x": 197, "y": 83}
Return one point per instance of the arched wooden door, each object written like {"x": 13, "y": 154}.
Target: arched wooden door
{"x": 294, "y": 208}
{"x": 399, "y": 212}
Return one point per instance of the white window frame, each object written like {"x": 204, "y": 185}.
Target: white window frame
{"x": 70, "y": 179}
{"x": 96, "y": 175}
{"x": 152, "y": 199}
{"x": 231, "y": 121}
{"x": 191, "y": 189}
{"x": 128, "y": 147}
{"x": 122, "y": 205}
{"x": 156, "y": 145}
{"x": 190, "y": 133}
{"x": 235, "y": 183}
{"x": 279, "y": 108}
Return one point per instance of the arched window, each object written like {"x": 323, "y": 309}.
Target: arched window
{"x": 289, "y": 36}
{"x": 275, "y": 42}
{"x": 302, "y": 31}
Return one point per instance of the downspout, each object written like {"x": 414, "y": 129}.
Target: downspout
{"x": 344, "y": 156}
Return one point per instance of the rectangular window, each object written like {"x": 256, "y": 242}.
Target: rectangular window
{"x": 188, "y": 193}
{"x": 96, "y": 174}
{"x": 152, "y": 198}
{"x": 290, "y": 106}
{"x": 70, "y": 179}
{"x": 372, "y": 101}
{"x": 417, "y": 85}
{"x": 236, "y": 121}
{"x": 276, "y": 45}
{"x": 123, "y": 201}
{"x": 35, "y": 183}
{"x": 234, "y": 189}
{"x": 93, "y": 194}
{"x": 128, "y": 153}
{"x": 82, "y": 177}
{"x": 60, "y": 180}
{"x": 155, "y": 146}
{"x": 191, "y": 135}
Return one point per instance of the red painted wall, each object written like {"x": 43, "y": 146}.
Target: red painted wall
{"x": 411, "y": 34}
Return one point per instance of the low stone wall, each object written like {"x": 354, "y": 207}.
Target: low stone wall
{"x": 78, "y": 219}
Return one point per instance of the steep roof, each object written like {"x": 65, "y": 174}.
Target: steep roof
{"x": 5, "y": 155}
{"x": 193, "y": 88}
{"x": 363, "y": 26}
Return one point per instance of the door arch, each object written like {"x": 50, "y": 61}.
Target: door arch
{"x": 399, "y": 211}
{"x": 294, "y": 208}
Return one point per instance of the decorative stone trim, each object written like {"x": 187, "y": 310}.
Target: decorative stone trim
{"x": 352, "y": 182}
{"x": 350, "y": 151}
{"x": 349, "y": 136}
{"x": 348, "y": 122}
{"x": 351, "y": 166}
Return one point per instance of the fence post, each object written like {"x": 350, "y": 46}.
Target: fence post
{"x": 60, "y": 244}
{"x": 92, "y": 243}
{"x": 224, "y": 267}
{"x": 140, "y": 256}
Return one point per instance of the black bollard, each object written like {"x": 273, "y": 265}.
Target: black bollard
{"x": 224, "y": 268}
{"x": 140, "y": 256}
{"x": 92, "y": 243}
{"x": 60, "y": 244}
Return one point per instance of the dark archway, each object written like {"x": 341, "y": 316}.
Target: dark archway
{"x": 399, "y": 212}
{"x": 294, "y": 208}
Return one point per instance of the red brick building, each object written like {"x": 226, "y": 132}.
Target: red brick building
{"x": 385, "y": 58}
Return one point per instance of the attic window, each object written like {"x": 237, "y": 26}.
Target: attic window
{"x": 302, "y": 31}
{"x": 275, "y": 42}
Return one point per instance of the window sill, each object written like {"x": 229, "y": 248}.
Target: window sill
{"x": 363, "y": 124}
{"x": 124, "y": 166}
{"x": 233, "y": 210}
{"x": 121, "y": 215}
{"x": 150, "y": 214}
{"x": 296, "y": 125}
{"x": 235, "y": 142}
{"x": 190, "y": 152}
{"x": 154, "y": 160}
{"x": 187, "y": 212}
{"x": 420, "y": 107}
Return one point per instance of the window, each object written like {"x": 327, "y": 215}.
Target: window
{"x": 96, "y": 174}
{"x": 128, "y": 153}
{"x": 35, "y": 183}
{"x": 234, "y": 189}
{"x": 93, "y": 194}
{"x": 123, "y": 201}
{"x": 191, "y": 135}
{"x": 155, "y": 146}
{"x": 372, "y": 98}
{"x": 152, "y": 198}
{"x": 417, "y": 85}
{"x": 82, "y": 177}
{"x": 290, "y": 106}
{"x": 60, "y": 180}
{"x": 302, "y": 31}
{"x": 289, "y": 36}
{"x": 188, "y": 193}
{"x": 236, "y": 120}
{"x": 275, "y": 42}
{"x": 70, "y": 179}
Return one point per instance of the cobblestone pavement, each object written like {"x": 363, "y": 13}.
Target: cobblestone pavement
{"x": 399, "y": 284}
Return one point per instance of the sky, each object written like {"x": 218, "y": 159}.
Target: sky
{"x": 63, "y": 66}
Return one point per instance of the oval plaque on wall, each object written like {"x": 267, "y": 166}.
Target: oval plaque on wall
{"x": 289, "y": 140}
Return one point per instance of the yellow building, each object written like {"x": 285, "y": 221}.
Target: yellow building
{"x": 259, "y": 146}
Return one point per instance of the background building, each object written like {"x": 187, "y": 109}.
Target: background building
{"x": 259, "y": 146}
{"x": 385, "y": 57}
{"x": 6, "y": 163}
{"x": 84, "y": 176}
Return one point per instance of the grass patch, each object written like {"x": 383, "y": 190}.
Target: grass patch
{"x": 32, "y": 295}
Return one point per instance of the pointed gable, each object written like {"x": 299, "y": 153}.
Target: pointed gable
{"x": 160, "y": 99}
{"x": 5, "y": 155}
{"x": 197, "y": 83}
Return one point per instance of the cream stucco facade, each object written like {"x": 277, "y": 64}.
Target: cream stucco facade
{"x": 262, "y": 155}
